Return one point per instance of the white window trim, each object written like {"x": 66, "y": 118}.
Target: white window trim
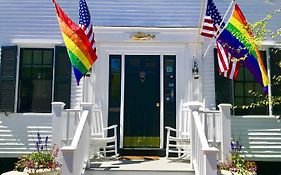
{"x": 21, "y": 46}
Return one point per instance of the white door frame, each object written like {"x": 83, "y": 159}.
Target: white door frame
{"x": 147, "y": 49}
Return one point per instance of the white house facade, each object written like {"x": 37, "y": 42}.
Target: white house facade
{"x": 146, "y": 52}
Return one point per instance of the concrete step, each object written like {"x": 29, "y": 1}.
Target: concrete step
{"x": 161, "y": 166}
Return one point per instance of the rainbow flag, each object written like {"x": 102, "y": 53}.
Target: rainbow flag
{"x": 238, "y": 40}
{"x": 79, "y": 48}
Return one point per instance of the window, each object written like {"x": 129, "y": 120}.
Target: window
{"x": 35, "y": 80}
{"x": 244, "y": 84}
{"x": 114, "y": 89}
{"x": 170, "y": 90}
{"x": 275, "y": 69}
{"x": 115, "y": 64}
{"x": 237, "y": 92}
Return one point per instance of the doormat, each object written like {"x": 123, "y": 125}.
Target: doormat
{"x": 139, "y": 157}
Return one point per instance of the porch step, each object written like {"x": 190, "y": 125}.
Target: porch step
{"x": 161, "y": 166}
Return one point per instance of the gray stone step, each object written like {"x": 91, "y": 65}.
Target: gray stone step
{"x": 161, "y": 166}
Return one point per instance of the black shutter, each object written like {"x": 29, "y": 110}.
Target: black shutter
{"x": 275, "y": 69}
{"x": 8, "y": 78}
{"x": 62, "y": 85}
{"x": 223, "y": 86}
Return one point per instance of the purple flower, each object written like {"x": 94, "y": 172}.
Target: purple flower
{"x": 46, "y": 142}
{"x": 37, "y": 145}
{"x": 39, "y": 138}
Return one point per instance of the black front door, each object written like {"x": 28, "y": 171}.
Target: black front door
{"x": 142, "y": 101}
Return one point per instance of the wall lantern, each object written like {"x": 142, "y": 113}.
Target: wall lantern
{"x": 195, "y": 70}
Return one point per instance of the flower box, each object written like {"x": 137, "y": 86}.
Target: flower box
{"x": 42, "y": 171}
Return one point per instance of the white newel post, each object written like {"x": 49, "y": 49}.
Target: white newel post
{"x": 57, "y": 108}
{"x": 226, "y": 130}
{"x": 193, "y": 106}
{"x": 211, "y": 161}
{"x": 89, "y": 107}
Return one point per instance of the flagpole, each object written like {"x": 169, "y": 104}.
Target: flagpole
{"x": 218, "y": 28}
{"x": 200, "y": 22}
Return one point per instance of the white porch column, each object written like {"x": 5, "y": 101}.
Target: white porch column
{"x": 57, "y": 108}
{"x": 226, "y": 130}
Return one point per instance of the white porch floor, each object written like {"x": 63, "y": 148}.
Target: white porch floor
{"x": 137, "y": 167}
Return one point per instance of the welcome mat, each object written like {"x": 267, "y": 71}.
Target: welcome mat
{"x": 139, "y": 157}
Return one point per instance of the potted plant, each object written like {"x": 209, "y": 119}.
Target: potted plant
{"x": 236, "y": 164}
{"x": 41, "y": 162}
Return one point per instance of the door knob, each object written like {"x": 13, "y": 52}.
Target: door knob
{"x": 157, "y": 105}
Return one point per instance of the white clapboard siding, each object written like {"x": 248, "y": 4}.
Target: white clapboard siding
{"x": 260, "y": 136}
{"x": 18, "y": 132}
{"x": 33, "y": 19}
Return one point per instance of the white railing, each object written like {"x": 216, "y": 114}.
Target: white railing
{"x": 211, "y": 124}
{"x": 203, "y": 157}
{"x": 70, "y": 119}
{"x": 74, "y": 143}
{"x": 217, "y": 128}
{"x": 208, "y": 126}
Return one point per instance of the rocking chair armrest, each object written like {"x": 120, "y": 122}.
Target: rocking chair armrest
{"x": 172, "y": 129}
{"x": 110, "y": 127}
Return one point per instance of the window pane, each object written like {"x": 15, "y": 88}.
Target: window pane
{"x": 259, "y": 89}
{"x": 47, "y": 57}
{"x": 249, "y": 100}
{"x": 248, "y": 88}
{"x": 239, "y": 101}
{"x": 115, "y": 82}
{"x": 26, "y": 72}
{"x": 27, "y": 57}
{"x": 47, "y": 72}
{"x": 35, "y": 84}
{"x": 248, "y": 75}
{"x": 114, "y": 90}
{"x": 36, "y": 72}
{"x": 170, "y": 90}
{"x": 37, "y": 57}
{"x": 239, "y": 89}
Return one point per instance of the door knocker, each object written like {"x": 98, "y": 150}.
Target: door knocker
{"x": 142, "y": 76}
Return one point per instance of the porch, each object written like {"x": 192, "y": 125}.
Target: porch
{"x": 209, "y": 140}
{"x": 140, "y": 165}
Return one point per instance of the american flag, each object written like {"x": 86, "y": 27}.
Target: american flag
{"x": 85, "y": 22}
{"x": 211, "y": 23}
{"x": 222, "y": 58}
{"x": 228, "y": 65}
{"x": 212, "y": 20}
{"x": 232, "y": 72}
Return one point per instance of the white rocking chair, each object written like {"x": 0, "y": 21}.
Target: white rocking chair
{"x": 102, "y": 144}
{"x": 179, "y": 142}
